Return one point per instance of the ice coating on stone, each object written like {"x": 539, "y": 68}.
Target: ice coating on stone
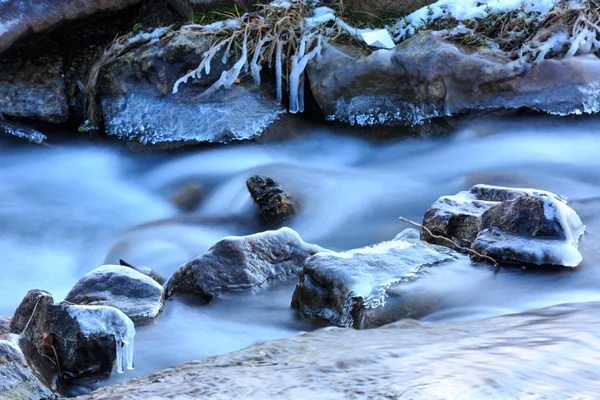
{"x": 408, "y": 234}
{"x": 285, "y": 231}
{"x": 22, "y": 131}
{"x": 235, "y": 114}
{"x": 98, "y": 321}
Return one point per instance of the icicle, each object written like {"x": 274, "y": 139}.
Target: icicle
{"x": 299, "y": 64}
{"x": 254, "y": 66}
{"x": 301, "y": 94}
{"x": 205, "y": 64}
{"x": 278, "y": 69}
{"x": 228, "y": 77}
{"x": 119, "y": 344}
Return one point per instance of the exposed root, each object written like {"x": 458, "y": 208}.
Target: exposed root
{"x": 452, "y": 242}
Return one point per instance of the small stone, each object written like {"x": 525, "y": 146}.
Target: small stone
{"x": 274, "y": 201}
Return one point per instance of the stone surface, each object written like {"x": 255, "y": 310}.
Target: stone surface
{"x": 24, "y": 18}
{"x": 137, "y": 295}
{"x": 18, "y": 379}
{"x": 138, "y": 103}
{"x": 33, "y": 87}
{"x": 242, "y": 263}
{"x": 426, "y": 77}
{"x": 406, "y": 359}
{"x": 363, "y": 288}
{"x": 83, "y": 338}
{"x": 510, "y": 225}
{"x": 274, "y": 201}
{"x": 146, "y": 271}
{"x": 4, "y": 325}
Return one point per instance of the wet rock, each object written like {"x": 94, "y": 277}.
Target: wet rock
{"x": 188, "y": 198}
{"x": 274, "y": 201}
{"x": 22, "y": 19}
{"x": 146, "y": 271}
{"x": 84, "y": 339}
{"x": 33, "y": 87}
{"x": 364, "y": 288}
{"x": 138, "y": 296}
{"x": 426, "y": 77}
{"x": 242, "y": 263}
{"x": 510, "y": 225}
{"x": 18, "y": 379}
{"x": 138, "y": 103}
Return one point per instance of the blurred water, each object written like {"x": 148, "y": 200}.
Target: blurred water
{"x": 67, "y": 209}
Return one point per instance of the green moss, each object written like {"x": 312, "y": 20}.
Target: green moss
{"x": 219, "y": 13}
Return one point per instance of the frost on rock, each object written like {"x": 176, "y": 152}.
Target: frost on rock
{"x": 511, "y": 225}
{"x": 236, "y": 114}
{"x": 97, "y": 321}
{"x": 352, "y": 288}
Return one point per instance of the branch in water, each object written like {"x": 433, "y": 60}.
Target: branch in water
{"x": 471, "y": 251}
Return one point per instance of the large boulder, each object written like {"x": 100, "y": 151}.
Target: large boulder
{"x": 523, "y": 226}
{"x": 18, "y": 378}
{"x": 242, "y": 263}
{"x": 33, "y": 87}
{"x": 23, "y": 18}
{"x": 273, "y": 200}
{"x": 135, "y": 92}
{"x": 426, "y": 77}
{"x": 364, "y": 288}
{"x": 137, "y": 295}
{"x": 80, "y": 340}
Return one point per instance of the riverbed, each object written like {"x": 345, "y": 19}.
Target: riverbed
{"x": 70, "y": 208}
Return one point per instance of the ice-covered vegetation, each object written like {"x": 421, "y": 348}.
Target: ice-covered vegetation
{"x": 531, "y": 30}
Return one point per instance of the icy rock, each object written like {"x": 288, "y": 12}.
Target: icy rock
{"x": 426, "y": 77}
{"x": 242, "y": 263}
{"x": 22, "y": 19}
{"x": 85, "y": 339}
{"x": 19, "y": 380}
{"x": 138, "y": 296}
{"x": 33, "y": 87}
{"x": 144, "y": 270}
{"x": 21, "y": 131}
{"x": 274, "y": 201}
{"x": 139, "y": 104}
{"x": 510, "y": 225}
{"x": 364, "y": 288}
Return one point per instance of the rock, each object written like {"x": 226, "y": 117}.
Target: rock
{"x": 242, "y": 263}
{"x": 24, "y": 18}
{"x": 85, "y": 339}
{"x": 4, "y": 325}
{"x": 363, "y": 288}
{"x": 426, "y": 77}
{"x": 22, "y": 132}
{"x": 18, "y": 379}
{"x": 510, "y": 225}
{"x": 188, "y": 198}
{"x": 32, "y": 87}
{"x": 138, "y": 296}
{"x": 146, "y": 271}
{"x": 138, "y": 103}
{"x": 275, "y": 203}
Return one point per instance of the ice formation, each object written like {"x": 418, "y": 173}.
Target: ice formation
{"x": 98, "y": 321}
{"x": 298, "y": 65}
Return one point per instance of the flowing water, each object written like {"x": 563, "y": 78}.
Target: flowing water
{"x": 68, "y": 209}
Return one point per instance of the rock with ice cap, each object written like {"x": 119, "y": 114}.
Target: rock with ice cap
{"x": 137, "y": 295}
{"x": 80, "y": 340}
{"x": 510, "y": 225}
{"x": 365, "y": 288}
{"x": 242, "y": 263}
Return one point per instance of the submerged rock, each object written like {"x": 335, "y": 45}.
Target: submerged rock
{"x": 138, "y": 104}
{"x": 242, "y": 263}
{"x": 18, "y": 379}
{"x": 363, "y": 288}
{"x": 510, "y": 225}
{"x": 22, "y": 19}
{"x": 426, "y": 77}
{"x": 275, "y": 203}
{"x": 84, "y": 339}
{"x": 137, "y": 295}
{"x": 33, "y": 87}
{"x": 189, "y": 197}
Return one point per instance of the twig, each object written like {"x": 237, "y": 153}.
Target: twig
{"x": 471, "y": 251}
{"x": 57, "y": 363}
